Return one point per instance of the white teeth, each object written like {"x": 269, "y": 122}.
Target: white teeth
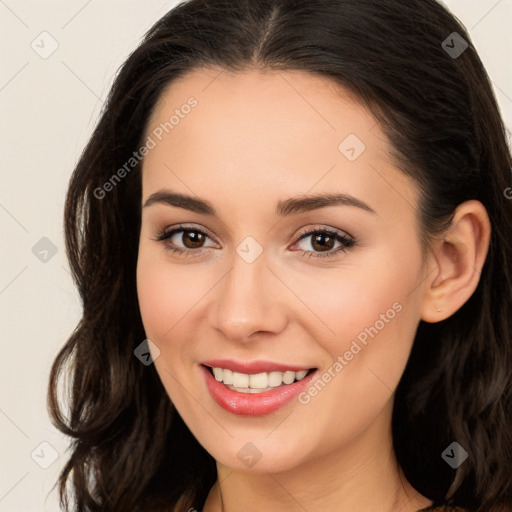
{"x": 300, "y": 375}
{"x": 257, "y": 382}
{"x": 288, "y": 377}
{"x": 275, "y": 379}
{"x": 240, "y": 380}
{"x": 227, "y": 376}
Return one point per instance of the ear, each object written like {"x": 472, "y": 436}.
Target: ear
{"x": 455, "y": 262}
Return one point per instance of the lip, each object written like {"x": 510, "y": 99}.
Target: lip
{"x": 253, "y": 404}
{"x": 252, "y": 367}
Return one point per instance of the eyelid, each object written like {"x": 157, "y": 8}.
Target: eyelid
{"x": 306, "y": 231}
{"x": 322, "y": 228}
{"x": 167, "y": 232}
{"x": 347, "y": 240}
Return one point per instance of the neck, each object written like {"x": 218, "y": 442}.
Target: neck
{"x": 361, "y": 475}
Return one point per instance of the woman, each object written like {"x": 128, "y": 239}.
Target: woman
{"x": 292, "y": 239}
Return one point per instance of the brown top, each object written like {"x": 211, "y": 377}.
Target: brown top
{"x": 442, "y": 508}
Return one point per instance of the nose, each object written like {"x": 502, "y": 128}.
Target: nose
{"x": 249, "y": 300}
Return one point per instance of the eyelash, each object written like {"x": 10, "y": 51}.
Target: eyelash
{"x": 346, "y": 242}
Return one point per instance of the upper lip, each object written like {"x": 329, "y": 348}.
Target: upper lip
{"x": 252, "y": 367}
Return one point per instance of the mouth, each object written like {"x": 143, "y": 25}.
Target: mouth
{"x": 254, "y": 394}
{"x": 256, "y": 382}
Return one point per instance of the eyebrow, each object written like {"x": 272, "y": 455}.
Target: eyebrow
{"x": 293, "y": 205}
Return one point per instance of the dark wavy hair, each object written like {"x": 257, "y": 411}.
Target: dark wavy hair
{"x": 129, "y": 448}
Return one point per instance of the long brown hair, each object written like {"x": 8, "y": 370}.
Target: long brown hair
{"x": 130, "y": 450}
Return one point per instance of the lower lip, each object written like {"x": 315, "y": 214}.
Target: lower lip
{"x": 254, "y": 404}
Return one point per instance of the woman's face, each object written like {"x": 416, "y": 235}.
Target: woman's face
{"x": 251, "y": 282}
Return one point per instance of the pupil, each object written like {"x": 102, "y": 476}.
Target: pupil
{"x": 320, "y": 236}
{"x": 192, "y": 235}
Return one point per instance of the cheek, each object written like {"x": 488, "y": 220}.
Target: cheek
{"x": 155, "y": 301}
{"x": 374, "y": 317}
{"x": 369, "y": 313}
{"x": 166, "y": 293}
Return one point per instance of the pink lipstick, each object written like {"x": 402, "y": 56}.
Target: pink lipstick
{"x": 254, "y": 403}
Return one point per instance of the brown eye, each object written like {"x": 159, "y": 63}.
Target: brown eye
{"x": 183, "y": 240}
{"x": 323, "y": 243}
{"x": 192, "y": 239}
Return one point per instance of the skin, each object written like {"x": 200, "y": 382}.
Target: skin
{"x": 255, "y": 138}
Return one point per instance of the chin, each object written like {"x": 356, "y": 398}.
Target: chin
{"x": 260, "y": 455}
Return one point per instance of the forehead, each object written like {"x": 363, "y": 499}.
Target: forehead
{"x": 293, "y": 102}
{"x": 286, "y": 132}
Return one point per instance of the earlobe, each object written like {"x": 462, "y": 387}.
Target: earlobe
{"x": 458, "y": 261}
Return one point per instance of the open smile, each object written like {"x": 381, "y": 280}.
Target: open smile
{"x": 258, "y": 392}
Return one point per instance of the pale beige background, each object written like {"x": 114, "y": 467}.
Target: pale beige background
{"x": 48, "y": 110}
